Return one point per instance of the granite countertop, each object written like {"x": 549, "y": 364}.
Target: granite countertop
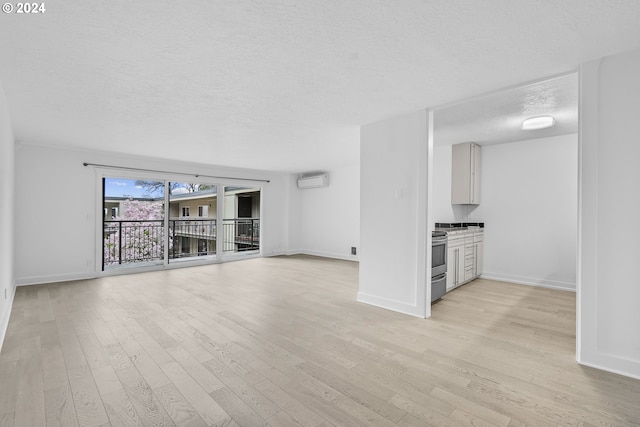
{"x": 460, "y": 227}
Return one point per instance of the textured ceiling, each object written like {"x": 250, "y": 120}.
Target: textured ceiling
{"x": 280, "y": 85}
{"x": 497, "y": 118}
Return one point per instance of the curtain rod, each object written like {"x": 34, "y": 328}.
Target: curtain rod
{"x": 176, "y": 173}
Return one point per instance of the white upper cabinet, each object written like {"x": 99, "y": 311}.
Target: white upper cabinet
{"x": 465, "y": 174}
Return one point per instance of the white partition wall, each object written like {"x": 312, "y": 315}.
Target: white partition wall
{"x": 393, "y": 220}
{"x": 7, "y": 159}
{"x": 609, "y": 290}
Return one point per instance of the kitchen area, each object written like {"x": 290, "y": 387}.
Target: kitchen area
{"x": 505, "y": 192}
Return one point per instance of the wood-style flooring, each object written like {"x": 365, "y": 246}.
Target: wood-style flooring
{"x": 282, "y": 341}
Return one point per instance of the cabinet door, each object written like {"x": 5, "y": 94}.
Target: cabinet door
{"x": 465, "y": 174}
{"x": 460, "y": 266}
{"x": 475, "y": 174}
{"x": 478, "y": 258}
{"x": 452, "y": 265}
{"x": 460, "y": 174}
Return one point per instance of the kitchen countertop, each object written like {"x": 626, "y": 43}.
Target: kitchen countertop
{"x": 456, "y": 228}
{"x": 461, "y": 230}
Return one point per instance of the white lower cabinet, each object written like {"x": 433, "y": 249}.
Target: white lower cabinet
{"x": 478, "y": 248}
{"x": 464, "y": 258}
{"x": 455, "y": 262}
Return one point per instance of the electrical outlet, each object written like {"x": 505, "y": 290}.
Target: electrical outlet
{"x": 353, "y": 250}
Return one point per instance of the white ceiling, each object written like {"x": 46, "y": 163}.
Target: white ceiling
{"x": 278, "y": 85}
{"x": 497, "y": 118}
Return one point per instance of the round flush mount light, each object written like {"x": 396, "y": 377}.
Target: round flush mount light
{"x": 538, "y": 122}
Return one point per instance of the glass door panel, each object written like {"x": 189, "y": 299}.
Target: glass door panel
{"x": 241, "y": 221}
{"x": 133, "y": 222}
{"x": 192, "y": 220}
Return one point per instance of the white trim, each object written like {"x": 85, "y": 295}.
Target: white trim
{"x": 239, "y": 256}
{"x": 38, "y": 280}
{"x": 4, "y": 321}
{"x": 426, "y": 224}
{"x": 326, "y": 254}
{"x": 289, "y": 252}
{"x": 579, "y": 239}
{"x": 278, "y": 253}
{"x": 530, "y": 281}
{"x": 389, "y": 304}
{"x": 614, "y": 360}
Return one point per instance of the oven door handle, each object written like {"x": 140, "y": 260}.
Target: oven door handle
{"x": 439, "y": 277}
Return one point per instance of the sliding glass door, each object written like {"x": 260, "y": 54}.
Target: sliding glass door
{"x": 192, "y": 220}
{"x": 133, "y": 222}
{"x": 241, "y": 219}
{"x": 155, "y": 222}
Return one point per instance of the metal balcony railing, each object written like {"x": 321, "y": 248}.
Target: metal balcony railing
{"x": 129, "y": 241}
{"x": 241, "y": 234}
{"x": 192, "y": 237}
{"x": 132, "y": 241}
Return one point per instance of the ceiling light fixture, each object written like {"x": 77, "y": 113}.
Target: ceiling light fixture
{"x": 538, "y": 122}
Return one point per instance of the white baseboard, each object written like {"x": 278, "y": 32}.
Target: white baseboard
{"x": 389, "y": 304}
{"x": 329, "y": 255}
{"x": 319, "y": 254}
{"x": 37, "y": 280}
{"x": 529, "y": 281}
{"x": 276, "y": 253}
{"x": 629, "y": 370}
{"x": 4, "y": 320}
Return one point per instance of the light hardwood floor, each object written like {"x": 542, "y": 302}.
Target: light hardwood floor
{"x": 282, "y": 341}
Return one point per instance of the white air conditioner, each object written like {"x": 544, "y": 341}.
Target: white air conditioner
{"x": 313, "y": 180}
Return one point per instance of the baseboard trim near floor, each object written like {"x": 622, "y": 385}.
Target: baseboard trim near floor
{"x": 38, "y": 280}
{"x": 4, "y": 321}
{"x": 389, "y": 304}
{"x": 325, "y": 255}
{"x": 634, "y": 375}
{"x": 528, "y": 281}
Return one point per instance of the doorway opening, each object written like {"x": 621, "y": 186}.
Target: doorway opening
{"x": 528, "y": 184}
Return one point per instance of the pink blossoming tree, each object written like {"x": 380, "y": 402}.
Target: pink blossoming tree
{"x": 136, "y": 235}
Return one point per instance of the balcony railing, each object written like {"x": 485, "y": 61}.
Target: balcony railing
{"x": 130, "y": 241}
{"x": 241, "y": 234}
{"x": 192, "y": 237}
{"x": 134, "y": 241}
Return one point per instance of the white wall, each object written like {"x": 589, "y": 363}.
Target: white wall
{"x": 529, "y": 204}
{"x": 609, "y": 290}
{"x": 530, "y": 209}
{"x": 57, "y": 216}
{"x": 7, "y": 160}
{"x": 393, "y": 193}
{"x": 295, "y": 218}
{"x": 329, "y": 217}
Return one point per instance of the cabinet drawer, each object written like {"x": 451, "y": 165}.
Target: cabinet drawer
{"x": 468, "y": 261}
{"x": 468, "y": 250}
{"x": 478, "y": 237}
{"x": 468, "y": 273}
{"x": 456, "y": 241}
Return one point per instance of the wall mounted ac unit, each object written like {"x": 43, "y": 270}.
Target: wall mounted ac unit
{"x": 313, "y": 180}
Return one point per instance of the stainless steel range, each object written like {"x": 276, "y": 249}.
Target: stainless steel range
{"x": 438, "y": 264}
